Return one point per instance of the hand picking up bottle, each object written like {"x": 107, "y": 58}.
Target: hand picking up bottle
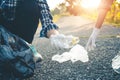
{"x": 63, "y": 41}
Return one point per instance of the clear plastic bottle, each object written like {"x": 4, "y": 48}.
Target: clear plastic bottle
{"x": 63, "y": 41}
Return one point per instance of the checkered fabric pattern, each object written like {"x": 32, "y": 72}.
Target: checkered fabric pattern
{"x": 9, "y": 7}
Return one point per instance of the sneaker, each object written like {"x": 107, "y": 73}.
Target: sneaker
{"x": 37, "y": 56}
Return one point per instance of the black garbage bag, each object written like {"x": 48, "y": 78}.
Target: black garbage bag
{"x": 16, "y": 57}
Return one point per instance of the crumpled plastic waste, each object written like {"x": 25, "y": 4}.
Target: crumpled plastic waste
{"x": 77, "y": 53}
{"x": 63, "y": 41}
{"x": 116, "y": 63}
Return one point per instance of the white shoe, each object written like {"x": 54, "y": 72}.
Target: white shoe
{"x": 37, "y": 56}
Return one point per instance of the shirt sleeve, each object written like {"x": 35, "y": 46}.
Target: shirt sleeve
{"x": 45, "y": 18}
{"x": 105, "y": 4}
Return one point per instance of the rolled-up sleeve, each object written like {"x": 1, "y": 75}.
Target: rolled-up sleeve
{"x": 45, "y": 18}
{"x": 105, "y": 4}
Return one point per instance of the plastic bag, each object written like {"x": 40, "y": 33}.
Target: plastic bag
{"x": 116, "y": 63}
{"x": 77, "y": 53}
{"x": 16, "y": 57}
{"x": 63, "y": 41}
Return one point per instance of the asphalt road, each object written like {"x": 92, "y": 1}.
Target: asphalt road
{"x": 97, "y": 68}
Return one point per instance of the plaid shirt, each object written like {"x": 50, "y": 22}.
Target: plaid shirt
{"x": 9, "y": 7}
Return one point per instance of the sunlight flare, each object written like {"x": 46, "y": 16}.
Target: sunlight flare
{"x": 53, "y": 3}
{"x": 118, "y": 1}
{"x": 90, "y": 3}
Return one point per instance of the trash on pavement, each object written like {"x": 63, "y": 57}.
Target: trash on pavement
{"x": 116, "y": 63}
{"x": 63, "y": 41}
{"x": 77, "y": 53}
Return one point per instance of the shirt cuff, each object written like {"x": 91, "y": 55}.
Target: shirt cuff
{"x": 51, "y": 26}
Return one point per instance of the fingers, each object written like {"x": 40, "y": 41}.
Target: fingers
{"x": 90, "y": 48}
{"x": 90, "y": 45}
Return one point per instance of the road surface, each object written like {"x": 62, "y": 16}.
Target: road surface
{"x": 99, "y": 65}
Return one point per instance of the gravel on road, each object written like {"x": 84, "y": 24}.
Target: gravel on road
{"x": 97, "y": 68}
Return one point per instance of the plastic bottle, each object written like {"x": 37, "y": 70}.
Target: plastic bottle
{"x": 63, "y": 41}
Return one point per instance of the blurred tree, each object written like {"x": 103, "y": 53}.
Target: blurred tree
{"x": 73, "y": 7}
{"x": 55, "y": 11}
{"x": 62, "y": 7}
{"x": 114, "y": 13}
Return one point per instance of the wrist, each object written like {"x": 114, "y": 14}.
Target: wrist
{"x": 52, "y": 32}
{"x": 95, "y": 33}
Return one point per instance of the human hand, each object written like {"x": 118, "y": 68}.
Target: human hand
{"x": 91, "y": 42}
{"x": 61, "y": 41}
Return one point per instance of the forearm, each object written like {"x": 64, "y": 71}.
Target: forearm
{"x": 48, "y": 27}
{"x": 104, "y": 7}
{"x": 45, "y": 16}
{"x": 100, "y": 18}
